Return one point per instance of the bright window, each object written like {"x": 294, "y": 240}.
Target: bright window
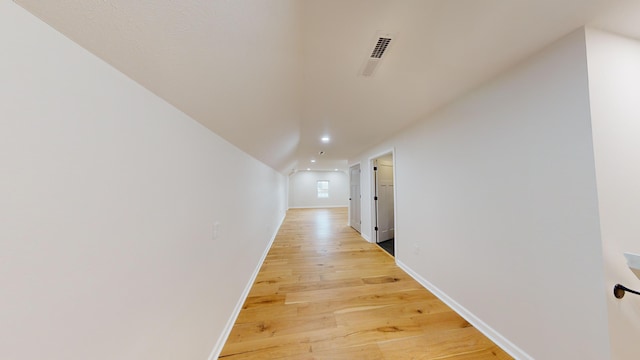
{"x": 323, "y": 189}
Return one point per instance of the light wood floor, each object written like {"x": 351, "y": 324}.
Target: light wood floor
{"x": 325, "y": 293}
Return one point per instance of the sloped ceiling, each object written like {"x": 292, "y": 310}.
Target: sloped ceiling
{"x": 273, "y": 76}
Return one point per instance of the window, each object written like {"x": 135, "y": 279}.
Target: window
{"x": 323, "y": 189}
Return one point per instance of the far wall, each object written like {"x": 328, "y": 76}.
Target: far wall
{"x": 303, "y": 189}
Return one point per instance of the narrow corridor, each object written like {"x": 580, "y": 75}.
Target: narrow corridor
{"x": 325, "y": 293}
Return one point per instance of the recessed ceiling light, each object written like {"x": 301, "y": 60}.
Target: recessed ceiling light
{"x": 313, "y": 160}
{"x": 325, "y": 139}
{"x": 308, "y": 169}
{"x": 335, "y": 169}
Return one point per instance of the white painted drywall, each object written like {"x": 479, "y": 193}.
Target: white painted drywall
{"x": 303, "y": 189}
{"x": 497, "y": 207}
{"x": 614, "y": 80}
{"x": 108, "y": 197}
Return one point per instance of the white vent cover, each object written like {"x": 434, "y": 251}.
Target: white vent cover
{"x": 379, "y": 48}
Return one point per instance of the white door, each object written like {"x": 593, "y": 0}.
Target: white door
{"x": 384, "y": 189}
{"x": 354, "y": 198}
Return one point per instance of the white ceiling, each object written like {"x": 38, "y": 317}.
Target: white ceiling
{"x": 273, "y": 76}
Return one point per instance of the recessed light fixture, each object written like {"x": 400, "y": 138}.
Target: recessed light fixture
{"x": 313, "y": 160}
{"x": 325, "y": 139}
{"x": 308, "y": 169}
{"x": 335, "y": 169}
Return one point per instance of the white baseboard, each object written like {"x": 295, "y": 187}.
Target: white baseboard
{"x": 487, "y": 330}
{"x": 217, "y": 349}
{"x": 318, "y": 207}
{"x": 364, "y": 236}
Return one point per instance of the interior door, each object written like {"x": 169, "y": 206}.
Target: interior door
{"x": 384, "y": 189}
{"x": 354, "y": 198}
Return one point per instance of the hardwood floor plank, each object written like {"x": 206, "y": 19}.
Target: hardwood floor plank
{"x": 302, "y": 286}
{"x": 363, "y": 352}
{"x": 274, "y": 327}
{"x": 422, "y": 312}
{"x": 437, "y": 345}
{"x": 325, "y": 293}
{"x": 347, "y": 293}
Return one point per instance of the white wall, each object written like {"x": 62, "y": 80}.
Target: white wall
{"x": 108, "y": 196}
{"x": 497, "y": 209}
{"x": 303, "y": 189}
{"x": 614, "y": 79}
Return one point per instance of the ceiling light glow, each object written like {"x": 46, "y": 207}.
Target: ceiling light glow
{"x": 325, "y": 139}
{"x": 313, "y": 160}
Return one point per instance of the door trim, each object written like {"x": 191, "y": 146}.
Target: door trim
{"x": 372, "y": 190}
{"x": 359, "y": 165}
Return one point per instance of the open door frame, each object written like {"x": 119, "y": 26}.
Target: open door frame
{"x": 374, "y": 215}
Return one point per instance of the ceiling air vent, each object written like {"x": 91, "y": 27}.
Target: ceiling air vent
{"x": 380, "y": 47}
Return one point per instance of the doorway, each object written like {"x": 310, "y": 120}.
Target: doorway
{"x": 355, "y": 218}
{"x": 384, "y": 202}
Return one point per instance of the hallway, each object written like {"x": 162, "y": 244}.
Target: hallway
{"x": 325, "y": 293}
